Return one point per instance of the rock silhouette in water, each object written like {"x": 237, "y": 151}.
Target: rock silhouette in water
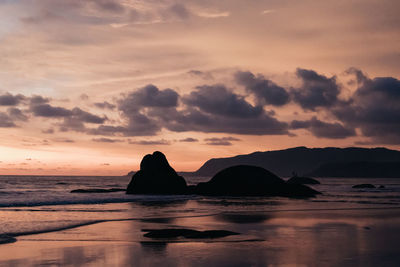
{"x": 245, "y": 180}
{"x": 363, "y": 186}
{"x": 302, "y": 180}
{"x": 186, "y": 233}
{"x": 156, "y": 176}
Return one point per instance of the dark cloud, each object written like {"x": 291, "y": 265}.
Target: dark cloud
{"x": 46, "y": 110}
{"x": 148, "y": 96}
{"x": 37, "y": 100}
{"x": 218, "y": 100}
{"x": 266, "y": 91}
{"x": 17, "y": 114}
{"x": 324, "y": 129}
{"x": 150, "y": 142}
{"x": 6, "y": 121}
{"x": 224, "y": 141}
{"x": 106, "y": 140}
{"x": 135, "y": 106}
{"x": 374, "y": 108}
{"x": 189, "y": 140}
{"x": 85, "y": 116}
{"x": 198, "y": 121}
{"x": 316, "y": 91}
{"x": 105, "y": 105}
{"x": 11, "y": 100}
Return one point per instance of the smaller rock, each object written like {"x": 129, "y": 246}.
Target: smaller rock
{"x": 363, "y": 186}
{"x": 381, "y": 186}
{"x": 186, "y": 233}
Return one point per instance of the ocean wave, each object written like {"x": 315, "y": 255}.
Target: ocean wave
{"x": 124, "y": 199}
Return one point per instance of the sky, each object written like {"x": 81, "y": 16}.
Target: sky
{"x": 90, "y": 87}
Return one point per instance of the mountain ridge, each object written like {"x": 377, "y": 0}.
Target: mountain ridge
{"x": 301, "y": 160}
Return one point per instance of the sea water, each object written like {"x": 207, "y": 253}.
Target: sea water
{"x": 36, "y": 204}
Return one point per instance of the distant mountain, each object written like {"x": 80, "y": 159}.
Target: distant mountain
{"x": 303, "y": 160}
{"x": 366, "y": 169}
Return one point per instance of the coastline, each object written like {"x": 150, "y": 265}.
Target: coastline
{"x": 343, "y": 237}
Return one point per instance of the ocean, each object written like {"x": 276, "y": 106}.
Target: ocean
{"x": 32, "y": 205}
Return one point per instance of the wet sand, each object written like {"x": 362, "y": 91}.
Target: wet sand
{"x": 353, "y": 237}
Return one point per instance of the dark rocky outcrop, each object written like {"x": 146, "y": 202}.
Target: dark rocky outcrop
{"x": 156, "y": 176}
{"x": 245, "y": 180}
{"x": 98, "y": 190}
{"x": 302, "y": 180}
{"x": 363, "y": 186}
{"x": 186, "y": 233}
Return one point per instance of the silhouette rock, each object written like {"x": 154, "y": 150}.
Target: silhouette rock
{"x": 156, "y": 176}
{"x": 302, "y": 180}
{"x": 363, "y": 186}
{"x": 245, "y": 180}
{"x": 186, "y": 233}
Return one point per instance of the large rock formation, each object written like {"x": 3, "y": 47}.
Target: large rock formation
{"x": 245, "y": 180}
{"x": 156, "y": 176}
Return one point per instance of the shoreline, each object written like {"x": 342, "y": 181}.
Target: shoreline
{"x": 7, "y": 238}
{"x": 316, "y": 237}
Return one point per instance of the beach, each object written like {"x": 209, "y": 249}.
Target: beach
{"x": 341, "y": 227}
{"x": 290, "y": 238}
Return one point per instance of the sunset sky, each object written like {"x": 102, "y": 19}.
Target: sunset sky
{"x": 90, "y": 87}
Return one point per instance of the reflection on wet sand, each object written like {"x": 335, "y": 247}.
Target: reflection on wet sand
{"x": 363, "y": 237}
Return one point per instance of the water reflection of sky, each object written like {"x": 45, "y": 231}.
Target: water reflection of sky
{"x": 363, "y": 237}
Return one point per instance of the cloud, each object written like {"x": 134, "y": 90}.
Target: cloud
{"x": 316, "y": 91}
{"x": 202, "y": 74}
{"x": 218, "y": 100}
{"x": 374, "y": 108}
{"x": 189, "y": 140}
{"x": 135, "y": 106}
{"x": 105, "y": 105}
{"x": 85, "y": 116}
{"x": 179, "y": 10}
{"x": 48, "y": 131}
{"x": 37, "y": 99}
{"x": 214, "y": 15}
{"x": 16, "y": 114}
{"x": 148, "y": 96}
{"x": 266, "y": 91}
{"x": 106, "y": 140}
{"x": 11, "y": 100}
{"x": 63, "y": 140}
{"x": 6, "y": 121}
{"x": 149, "y": 142}
{"x": 324, "y": 129}
{"x": 46, "y": 110}
{"x": 199, "y": 121}
{"x": 224, "y": 141}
